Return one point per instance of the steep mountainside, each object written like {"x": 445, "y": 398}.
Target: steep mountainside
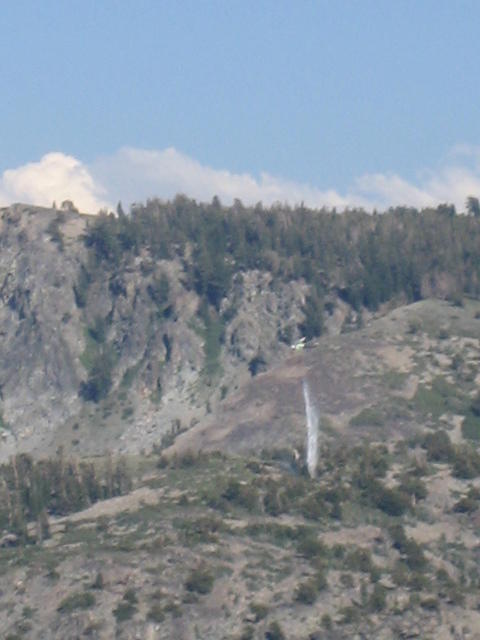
{"x": 120, "y": 331}
{"x": 131, "y": 349}
{"x": 237, "y": 541}
{"x": 165, "y": 335}
{"x": 414, "y": 368}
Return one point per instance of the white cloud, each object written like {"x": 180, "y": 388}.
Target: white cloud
{"x": 450, "y": 184}
{"x": 133, "y": 175}
{"x": 137, "y": 174}
{"x": 384, "y": 190}
{"x": 55, "y": 177}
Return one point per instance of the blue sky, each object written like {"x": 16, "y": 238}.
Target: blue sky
{"x": 336, "y": 103}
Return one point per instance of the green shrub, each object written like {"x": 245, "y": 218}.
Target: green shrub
{"x": 130, "y": 596}
{"x": 313, "y": 323}
{"x": 53, "y": 230}
{"x": 159, "y": 291}
{"x": 350, "y": 614}
{"x": 98, "y": 330}
{"x": 174, "y": 609}
{"x": 455, "y": 298}
{"x": 81, "y": 600}
{"x": 293, "y": 488}
{"x": 259, "y": 610}
{"x": 272, "y": 502}
{"x": 457, "y": 362}
{"x": 80, "y": 288}
{"x": 347, "y": 580}
{"x": 126, "y": 608}
{"x": 372, "y": 464}
{"x": 254, "y": 466}
{"x": 27, "y": 612}
{"x": 466, "y": 463}
{"x": 242, "y": 495}
{"x": 359, "y": 560}
{"x": 413, "y": 486}
{"x": 320, "y": 580}
{"x": 99, "y": 359}
{"x": 313, "y": 507}
{"x": 274, "y": 632}
{"x": 98, "y": 583}
{"x": 200, "y": 530}
{"x": 326, "y": 622}
{"x": 310, "y": 546}
{"x": 200, "y": 580}
{"x": 414, "y": 326}
{"x": 475, "y": 405}
{"x": 455, "y": 595}
{"x": 399, "y": 537}
{"x": 431, "y": 603}
{"x": 124, "y": 611}
{"x": 400, "y": 574}
{"x": 471, "y": 427}
{"x": 467, "y": 504}
{"x": 247, "y": 633}
{"x": 338, "y": 551}
{"x": 257, "y": 365}
{"x": 439, "y": 447}
{"x": 418, "y": 581}
{"x": 187, "y": 460}
{"x": 156, "y": 613}
{"x": 378, "y": 598}
{"x": 392, "y": 501}
{"x": 306, "y": 592}
{"x": 414, "y": 556}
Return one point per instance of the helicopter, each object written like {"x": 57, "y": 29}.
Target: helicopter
{"x": 299, "y": 344}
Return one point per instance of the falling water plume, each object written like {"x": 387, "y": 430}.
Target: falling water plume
{"x": 312, "y": 430}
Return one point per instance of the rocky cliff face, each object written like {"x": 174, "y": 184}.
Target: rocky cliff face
{"x": 40, "y": 323}
{"x": 93, "y": 358}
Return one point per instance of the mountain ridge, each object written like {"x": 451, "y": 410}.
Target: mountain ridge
{"x": 118, "y": 330}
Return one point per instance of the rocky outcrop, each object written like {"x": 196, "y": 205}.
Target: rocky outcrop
{"x": 125, "y": 350}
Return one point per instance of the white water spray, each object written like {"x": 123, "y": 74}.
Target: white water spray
{"x": 312, "y": 430}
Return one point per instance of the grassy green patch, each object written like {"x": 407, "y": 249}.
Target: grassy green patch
{"x": 471, "y": 427}
{"x": 212, "y": 347}
{"x": 87, "y": 357}
{"x": 212, "y": 335}
{"x": 199, "y": 530}
{"x": 124, "y": 611}
{"x": 441, "y": 397}
{"x": 369, "y": 417}
{"x": 394, "y": 379}
{"x": 130, "y": 375}
{"x": 81, "y": 600}
{"x": 126, "y": 608}
{"x": 99, "y": 358}
{"x": 397, "y": 409}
